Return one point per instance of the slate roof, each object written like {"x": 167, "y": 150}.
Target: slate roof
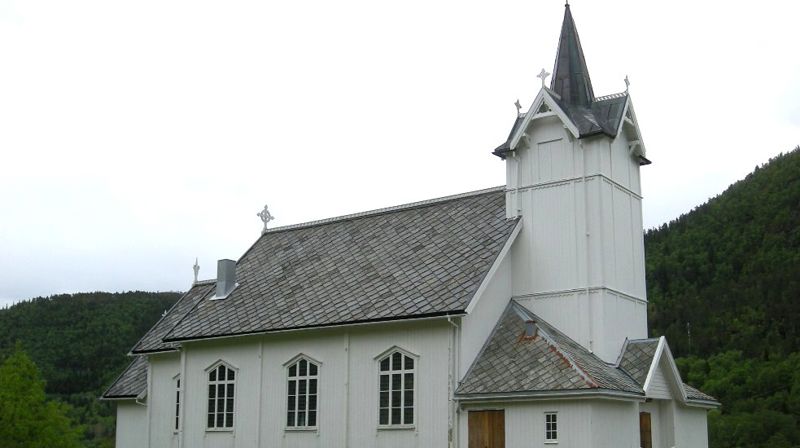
{"x": 131, "y": 383}
{"x": 695, "y": 394}
{"x": 637, "y": 357}
{"x": 422, "y": 259}
{"x": 571, "y": 75}
{"x": 548, "y": 362}
{"x": 152, "y": 341}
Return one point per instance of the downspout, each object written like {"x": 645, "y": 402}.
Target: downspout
{"x": 182, "y": 415}
{"x": 260, "y": 389}
{"x": 588, "y": 252}
{"x": 149, "y": 394}
{"x": 346, "y": 390}
{"x": 453, "y": 357}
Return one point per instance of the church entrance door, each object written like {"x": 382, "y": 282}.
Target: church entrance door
{"x": 487, "y": 429}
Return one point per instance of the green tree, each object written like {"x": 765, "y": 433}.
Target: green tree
{"x": 27, "y": 418}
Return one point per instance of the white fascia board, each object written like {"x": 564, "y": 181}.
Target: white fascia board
{"x": 703, "y": 404}
{"x": 493, "y": 269}
{"x": 550, "y": 395}
{"x": 676, "y": 374}
{"x": 654, "y": 363}
{"x": 634, "y": 123}
{"x": 542, "y": 97}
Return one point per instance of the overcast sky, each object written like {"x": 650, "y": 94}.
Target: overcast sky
{"x": 138, "y": 135}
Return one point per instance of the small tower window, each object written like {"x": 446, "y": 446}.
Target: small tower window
{"x": 550, "y": 427}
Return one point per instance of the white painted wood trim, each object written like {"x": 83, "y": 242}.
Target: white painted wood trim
{"x": 676, "y": 376}
{"x": 654, "y": 363}
{"x": 542, "y": 96}
{"x": 493, "y": 269}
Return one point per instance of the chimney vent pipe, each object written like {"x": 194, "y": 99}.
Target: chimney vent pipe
{"x": 226, "y": 278}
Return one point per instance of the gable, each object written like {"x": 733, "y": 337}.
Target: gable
{"x": 659, "y": 386}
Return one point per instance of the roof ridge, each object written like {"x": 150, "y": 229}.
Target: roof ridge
{"x": 611, "y": 96}
{"x": 639, "y": 341}
{"x": 379, "y": 211}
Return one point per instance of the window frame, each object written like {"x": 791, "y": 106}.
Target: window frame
{"x": 548, "y": 432}
{"x": 402, "y": 372}
{"x": 214, "y": 367}
{"x": 307, "y": 377}
{"x": 177, "y": 423}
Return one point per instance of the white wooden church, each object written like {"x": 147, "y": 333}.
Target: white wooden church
{"x": 509, "y": 317}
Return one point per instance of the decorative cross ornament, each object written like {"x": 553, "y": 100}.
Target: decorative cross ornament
{"x": 266, "y": 217}
{"x": 543, "y": 75}
{"x": 627, "y": 83}
{"x": 519, "y": 106}
{"x": 196, "y": 269}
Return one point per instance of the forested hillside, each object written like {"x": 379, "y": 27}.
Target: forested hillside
{"x": 79, "y": 343}
{"x": 724, "y": 287}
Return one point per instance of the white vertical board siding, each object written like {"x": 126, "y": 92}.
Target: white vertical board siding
{"x": 476, "y": 327}
{"x": 581, "y": 423}
{"x": 243, "y": 357}
{"x": 654, "y": 408}
{"x": 667, "y": 422}
{"x": 131, "y": 425}
{"x": 344, "y": 419}
{"x": 428, "y": 340}
{"x": 579, "y": 260}
{"x": 691, "y": 427}
{"x": 615, "y": 424}
{"x": 161, "y": 399}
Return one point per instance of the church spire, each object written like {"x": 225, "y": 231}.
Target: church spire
{"x": 571, "y": 79}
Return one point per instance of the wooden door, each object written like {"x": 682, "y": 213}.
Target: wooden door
{"x": 645, "y": 435}
{"x": 487, "y": 429}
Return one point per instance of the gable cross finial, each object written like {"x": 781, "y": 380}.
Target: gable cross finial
{"x": 518, "y": 106}
{"x": 627, "y": 83}
{"x": 266, "y": 217}
{"x": 543, "y": 75}
{"x": 196, "y": 269}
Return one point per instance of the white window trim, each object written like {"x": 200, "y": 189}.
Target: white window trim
{"x": 546, "y": 440}
{"x": 235, "y": 395}
{"x": 415, "y": 371}
{"x": 287, "y": 365}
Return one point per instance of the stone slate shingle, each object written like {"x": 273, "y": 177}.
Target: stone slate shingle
{"x": 638, "y": 357}
{"x": 152, "y": 341}
{"x": 550, "y": 361}
{"x": 417, "y": 260}
{"x": 131, "y": 382}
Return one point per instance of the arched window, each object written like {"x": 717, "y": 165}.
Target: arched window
{"x": 302, "y": 381}
{"x": 221, "y": 395}
{"x": 397, "y": 380}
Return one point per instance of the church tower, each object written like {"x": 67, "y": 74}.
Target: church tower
{"x": 572, "y": 175}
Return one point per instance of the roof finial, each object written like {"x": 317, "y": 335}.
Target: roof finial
{"x": 543, "y": 75}
{"x": 266, "y": 217}
{"x": 627, "y": 83}
{"x": 196, "y": 269}
{"x": 518, "y": 106}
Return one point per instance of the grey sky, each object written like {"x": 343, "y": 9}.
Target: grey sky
{"x": 137, "y": 135}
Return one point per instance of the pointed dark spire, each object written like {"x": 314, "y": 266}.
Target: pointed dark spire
{"x": 571, "y": 76}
